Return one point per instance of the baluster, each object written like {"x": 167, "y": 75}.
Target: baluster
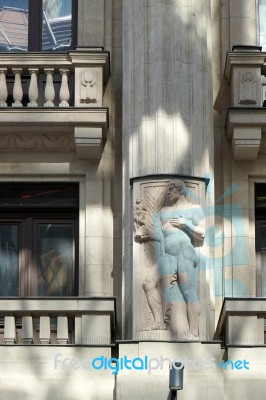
{"x": 49, "y": 92}
{"x": 17, "y": 90}
{"x": 3, "y": 87}
{"x": 45, "y": 331}
{"x": 62, "y": 330}
{"x": 33, "y": 89}
{"x": 64, "y": 90}
{"x": 27, "y": 330}
{"x": 10, "y": 330}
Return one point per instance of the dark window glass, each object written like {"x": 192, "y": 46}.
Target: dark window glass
{"x": 55, "y": 259}
{"x": 9, "y": 259}
{"x": 260, "y": 196}
{"x": 39, "y": 195}
{"x": 39, "y": 239}
{"x": 260, "y": 216}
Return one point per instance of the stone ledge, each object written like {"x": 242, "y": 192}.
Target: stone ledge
{"x": 248, "y": 117}
{"x": 241, "y": 321}
{"x": 71, "y": 305}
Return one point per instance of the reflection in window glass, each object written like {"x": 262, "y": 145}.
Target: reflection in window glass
{"x": 56, "y": 24}
{"x": 262, "y": 17}
{"x": 55, "y": 259}
{"x": 14, "y": 25}
{"x": 9, "y": 260}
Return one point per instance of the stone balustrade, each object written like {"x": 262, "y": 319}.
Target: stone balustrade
{"x": 71, "y": 320}
{"x": 43, "y": 79}
{"x": 33, "y": 89}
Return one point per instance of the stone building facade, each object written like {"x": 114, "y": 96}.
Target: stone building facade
{"x": 132, "y": 199}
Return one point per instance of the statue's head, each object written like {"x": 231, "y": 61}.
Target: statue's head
{"x": 175, "y": 189}
{"x": 180, "y": 185}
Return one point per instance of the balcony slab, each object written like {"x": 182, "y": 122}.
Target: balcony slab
{"x": 245, "y": 127}
{"x": 83, "y": 130}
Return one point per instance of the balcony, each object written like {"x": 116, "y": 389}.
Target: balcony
{"x": 57, "y": 321}
{"x": 56, "y": 99}
{"x": 246, "y": 116}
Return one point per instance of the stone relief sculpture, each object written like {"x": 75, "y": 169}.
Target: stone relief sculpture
{"x": 88, "y": 90}
{"x": 247, "y": 88}
{"x": 171, "y": 228}
{"x": 154, "y": 298}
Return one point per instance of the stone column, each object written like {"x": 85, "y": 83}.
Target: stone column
{"x": 238, "y": 25}
{"x": 167, "y": 109}
{"x": 243, "y": 22}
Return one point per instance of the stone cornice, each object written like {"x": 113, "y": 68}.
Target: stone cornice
{"x": 243, "y": 59}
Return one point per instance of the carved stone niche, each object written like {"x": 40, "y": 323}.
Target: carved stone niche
{"x": 169, "y": 283}
{"x": 246, "y": 87}
{"x": 88, "y": 87}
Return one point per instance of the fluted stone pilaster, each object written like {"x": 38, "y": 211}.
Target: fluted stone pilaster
{"x": 167, "y": 110}
{"x": 167, "y": 87}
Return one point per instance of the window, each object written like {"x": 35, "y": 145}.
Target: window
{"x": 37, "y": 25}
{"x": 38, "y": 239}
{"x": 262, "y": 24}
{"x": 260, "y": 207}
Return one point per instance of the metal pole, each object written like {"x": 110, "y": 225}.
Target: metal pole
{"x": 173, "y": 395}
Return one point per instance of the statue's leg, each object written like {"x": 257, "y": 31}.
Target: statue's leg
{"x": 188, "y": 283}
{"x": 154, "y": 300}
{"x": 175, "y": 306}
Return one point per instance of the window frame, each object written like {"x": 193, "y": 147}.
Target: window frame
{"x": 28, "y": 216}
{"x": 28, "y": 242}
{"x": 35, "y": 27}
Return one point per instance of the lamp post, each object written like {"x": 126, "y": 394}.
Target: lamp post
{"x": 176, "y": 378}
